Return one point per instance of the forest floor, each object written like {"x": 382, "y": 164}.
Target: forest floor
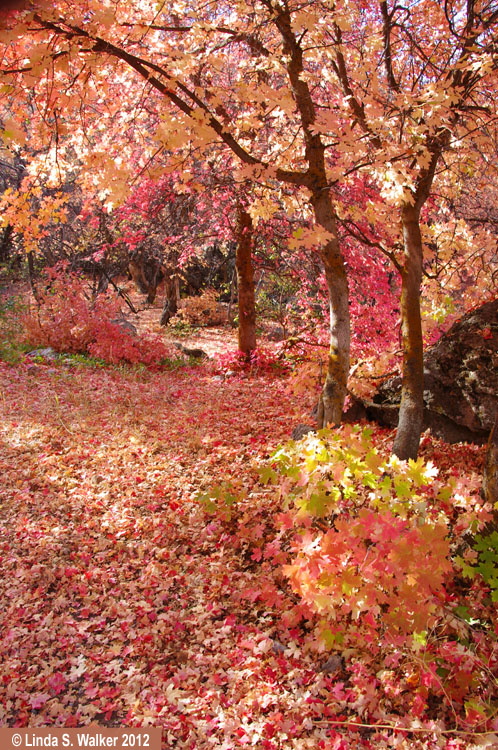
{"x": 123, "y": 601}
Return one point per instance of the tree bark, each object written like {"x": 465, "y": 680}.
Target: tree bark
{"x": 411, "y": 410}
{"x": 5, "y": 244}
{"x": 31, "y": 272}
{"x": 171, "y": 299}
{"x": 245, "y": 283}
{"x": 335, "y": 386}
{"x": 137, "y": 274}
{"x": 156, "y": 279}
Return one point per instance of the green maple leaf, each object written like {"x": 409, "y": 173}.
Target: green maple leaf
{"x": 267, "y": 475}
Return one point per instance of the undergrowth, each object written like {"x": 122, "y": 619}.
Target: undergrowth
{"x": 67, "y": 319}
{"x": 12, "y": 347}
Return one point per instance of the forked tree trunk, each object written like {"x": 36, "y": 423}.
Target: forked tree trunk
{"x": 245, "y": 283}
{"x": 335, "y": 387}
{"x": 411, "y": 412}
{"x": 138, "y": 276}
{"x": 147, "y": 275}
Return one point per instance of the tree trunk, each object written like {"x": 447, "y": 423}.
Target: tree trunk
{"x": 171, "y": 299}
{"x": 157, "y": 277}
{"x": 245, "y": 283}
{"x": 137, "y": 274}
{"x": 31, "y": 272}
{"x": 490, "y": 478}
{"x": 335, "y": 387}
{"x": 232, "y": 294}
{"x": 5, "y": 244}
{"x": 411, "y": 412}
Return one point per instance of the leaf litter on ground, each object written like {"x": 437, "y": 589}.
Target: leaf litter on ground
{"x": 122, "y": 601}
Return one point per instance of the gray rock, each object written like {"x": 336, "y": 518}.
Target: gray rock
{"x": 46, "y": 353}
{"x": 334, "y": 663}
{"x": 198, "y": 353}
{"x": 301, "y": 430}
{"x": 460, "y": 381}
{"x": 277, "y": 647}
{"x": 126, "y": 326}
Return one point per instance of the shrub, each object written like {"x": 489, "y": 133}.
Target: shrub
{"x": 370, "y": 558}
{"x": 204, "y": 310}
{"x": 382, "y": 553}
{"x": 68, "y": 320}
{"x": 259, "y": 362}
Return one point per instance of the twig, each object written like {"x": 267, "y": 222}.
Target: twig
{"x": 397, "y": 728}
{"x": 120, "y": 292}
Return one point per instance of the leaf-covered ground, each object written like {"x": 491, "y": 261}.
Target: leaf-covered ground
{"x": 122, "y": 601}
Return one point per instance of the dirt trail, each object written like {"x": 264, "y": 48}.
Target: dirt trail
{"x": 212, "y": 340}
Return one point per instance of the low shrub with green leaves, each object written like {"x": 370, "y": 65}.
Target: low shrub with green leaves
{"x": 380, "y": 549}
{"x": 485, "y": 547}
{"x": 372, "y": 546}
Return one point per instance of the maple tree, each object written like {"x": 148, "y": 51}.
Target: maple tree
{"x": 420, "y": 99}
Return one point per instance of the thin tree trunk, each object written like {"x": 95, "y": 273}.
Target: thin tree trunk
{"x": 170, "y": 301}
{"x": 245, "y": 283}
{"x": 335, "y": 387}
{"x": 411, "y": 412}
{"x": 31, "y": 271}
{"x": 5, "y": 244}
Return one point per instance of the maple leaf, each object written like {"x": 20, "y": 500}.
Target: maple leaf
{"x": 57, "y": 682}
{"x": 38, "y": 701}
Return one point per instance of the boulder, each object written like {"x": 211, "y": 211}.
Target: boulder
{"x": 125, "y": 326}
{"x": 301, "y": 430}
{"x": 460, "y": 381}
{"x": 197, "y": 353}
{"x": 47, "y": 353}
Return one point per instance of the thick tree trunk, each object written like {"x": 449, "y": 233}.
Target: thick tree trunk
{"x": 245, "y": 283}
{"x": 490, "y": 478}
{"x": 147, "y": 275}
{"x": 411, "y": 410}
{"x": 335, "y": 387}
{"x": 157, "y": 277}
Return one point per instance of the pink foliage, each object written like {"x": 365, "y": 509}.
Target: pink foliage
{"x": 260, "y": 361}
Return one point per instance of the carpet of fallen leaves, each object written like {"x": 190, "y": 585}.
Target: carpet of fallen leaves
{"x": 121, "y": 601}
